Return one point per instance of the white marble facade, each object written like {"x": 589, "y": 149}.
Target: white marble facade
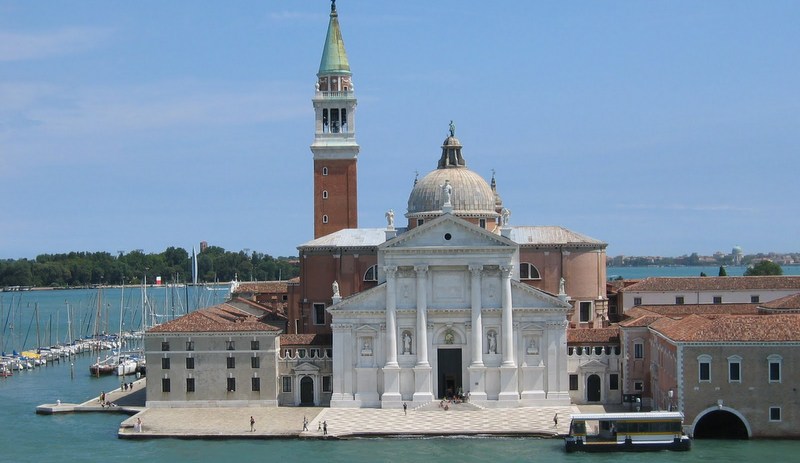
{"x": 449, "y": 316}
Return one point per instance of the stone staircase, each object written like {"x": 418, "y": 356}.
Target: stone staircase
{"x": 452, "y": 407}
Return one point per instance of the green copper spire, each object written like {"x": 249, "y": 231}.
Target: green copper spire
{"x": 334, "y": 58}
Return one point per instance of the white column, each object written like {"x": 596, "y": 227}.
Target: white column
{"x": 477, "y": 319}
{"x": 391, "y": 316}
{"x": 508, "y": 326}
{"x": 422, "y": 315}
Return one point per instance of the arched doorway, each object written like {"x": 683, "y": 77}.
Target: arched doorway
{"x": 593, "y": 388}
{"x": 307, "y": 391}
{"x": 720, "y": 424}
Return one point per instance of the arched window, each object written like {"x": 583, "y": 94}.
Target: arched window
{"x": 371, "y": 274}
{"x": 528, "y": 272}
{"x": 324, "y": 194}
{"x": 324, "y": 171}
{"x": 324, "y": 219}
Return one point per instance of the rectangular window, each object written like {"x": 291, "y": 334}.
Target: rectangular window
{"x": 705, "y": 371}
{"x": 230, "y": 345}
{"x": 255, "y": 345}
{"x": 164, "y": 346}
{"x": 286, "y": 383}
{"x": 231, "y": 384}
{"x": 420, "y": 222}
{"x": 319, "y": 314}
{"x": 774, "y": 413}
{"x": 774, "y": 372}
{"x": 255, "y": 362}
{"x": 327, "y": 384}
{"x": 189, "y": 384}
{"x": 231, "y": 362}
{"x": 638, "y": 350}
{"x": 255, "y": 384}
{"x": 717, "y": 299}
{"x": 638, "y": 386}
{"x": 164, "y": 384}
{"x": 573, "y": 382}
{"x": 165, "y": 363}
{"x": 735, "y": 372}
{"x": 679, "y": 300}
{"x": 482, "y": 223}
{"x": 190, "y": 363}
{"x": 585, "y": 311}
{"x": 189, "y": 345}
{"x": 613, "y": 382}
{"x": 755, "y": 299}
{"x": 637, "y": 301}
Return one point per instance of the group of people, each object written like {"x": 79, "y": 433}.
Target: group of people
{"x": 127, "y": 386}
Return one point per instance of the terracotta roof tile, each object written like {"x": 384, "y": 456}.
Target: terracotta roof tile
{"x": 732, "y": 328}
{"x": 788, "y": 303}
{"x": 222, "y": 317}
{"x": 593, "y": 335}
{"x": 262, "y": 287}
{"x": 288, "y": 340}
{"x": 716, "y": 283}
{"x": 687, "y": 309}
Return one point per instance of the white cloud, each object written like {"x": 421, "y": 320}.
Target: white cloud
{"x": 17, "y": 46}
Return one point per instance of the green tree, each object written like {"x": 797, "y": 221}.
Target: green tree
{"x": 765, "y": 267}
{"x": 722, "y": 271}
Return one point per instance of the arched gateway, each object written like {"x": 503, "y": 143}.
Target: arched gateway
{"x": 720, "y": 423}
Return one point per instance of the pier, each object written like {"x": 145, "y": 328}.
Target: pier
{"x": 130, "y": 401}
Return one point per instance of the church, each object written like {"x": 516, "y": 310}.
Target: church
{"x": 455, "y": 301}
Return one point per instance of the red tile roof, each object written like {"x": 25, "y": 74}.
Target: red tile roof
{"x": 788, "y": 303}
{"x": 288, "y": 340}
{"x": 593, "y": 335}
{"x": 259, "y": 287}
{"x": 222, "y": 317}
{"x": 674, "y": 310}
{"x": 716, "y": 283}
{"x": 731, "y": 328}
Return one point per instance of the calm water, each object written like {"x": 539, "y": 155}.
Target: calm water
{"x": 27, "y": 437}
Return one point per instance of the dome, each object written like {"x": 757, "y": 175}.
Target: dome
{"x": 471, "y": 195}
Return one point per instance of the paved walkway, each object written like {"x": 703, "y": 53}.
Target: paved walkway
{"x": 129, "y": 401}
{"x": 284, "y": 422}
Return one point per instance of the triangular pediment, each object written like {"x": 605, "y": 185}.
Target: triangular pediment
{"x": 306, "y": 367}
{"x": 448, "y": 231}
{"x": 366, "y": 301}
{"x": 525, "y": 295}
{"x": 593, "y": 365}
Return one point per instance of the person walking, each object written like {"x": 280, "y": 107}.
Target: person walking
{"x": 252, "y": 424}
{"x": 405, "y": 408}
{"x": 325, "y": 428}
{"x": 305, "y": 424}
{"x": 555, "y": 420}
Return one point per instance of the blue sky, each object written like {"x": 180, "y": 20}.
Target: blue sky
{"x": 660, "y": 127}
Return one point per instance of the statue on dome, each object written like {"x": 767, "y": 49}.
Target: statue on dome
{"x": 452, "y": 129}
{"x": 562, "y": 286}
{"x": 390, "y": 219}
{"x": 335, "y": 287}
{"x": 504, "y": 215}
{"x": 447, "y": 192}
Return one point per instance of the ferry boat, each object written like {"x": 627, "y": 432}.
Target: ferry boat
{"x": 626, "y": 432}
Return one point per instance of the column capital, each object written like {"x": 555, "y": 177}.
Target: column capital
{"x": 390, "y": 270}
{"x": 506, "y": 270}
{"x": 476, "y": 269}
{"x": 420, "y": 269}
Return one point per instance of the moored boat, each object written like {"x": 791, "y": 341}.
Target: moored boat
{"x": 626, "y": 432}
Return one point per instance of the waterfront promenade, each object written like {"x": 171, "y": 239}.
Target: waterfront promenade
{"x": 287, "y": 422}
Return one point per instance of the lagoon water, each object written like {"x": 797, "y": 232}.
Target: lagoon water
{"x": 92, "y": 437}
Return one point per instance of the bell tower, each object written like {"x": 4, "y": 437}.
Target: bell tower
{"x": 335, "y": 149}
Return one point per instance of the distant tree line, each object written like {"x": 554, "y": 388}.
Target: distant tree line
{"x": 173, "y": 266}
{"x": 695, "y": 259}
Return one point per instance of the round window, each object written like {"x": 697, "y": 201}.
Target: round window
{"x": 447, "y": 236}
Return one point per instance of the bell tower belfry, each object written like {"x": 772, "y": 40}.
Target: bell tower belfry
{"x": 335, "y": 149}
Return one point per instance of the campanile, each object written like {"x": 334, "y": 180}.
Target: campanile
{"x": 335, "y": 149}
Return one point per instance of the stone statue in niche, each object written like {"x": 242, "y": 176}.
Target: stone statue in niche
{"x": 366, "y": 348}
{"x": 406, "y": 342}
{"x": 449, "y": 337}
{"x": 335, "y": 287}
{"x": 532, "y": 348}
{"x": 492, "y": 338}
